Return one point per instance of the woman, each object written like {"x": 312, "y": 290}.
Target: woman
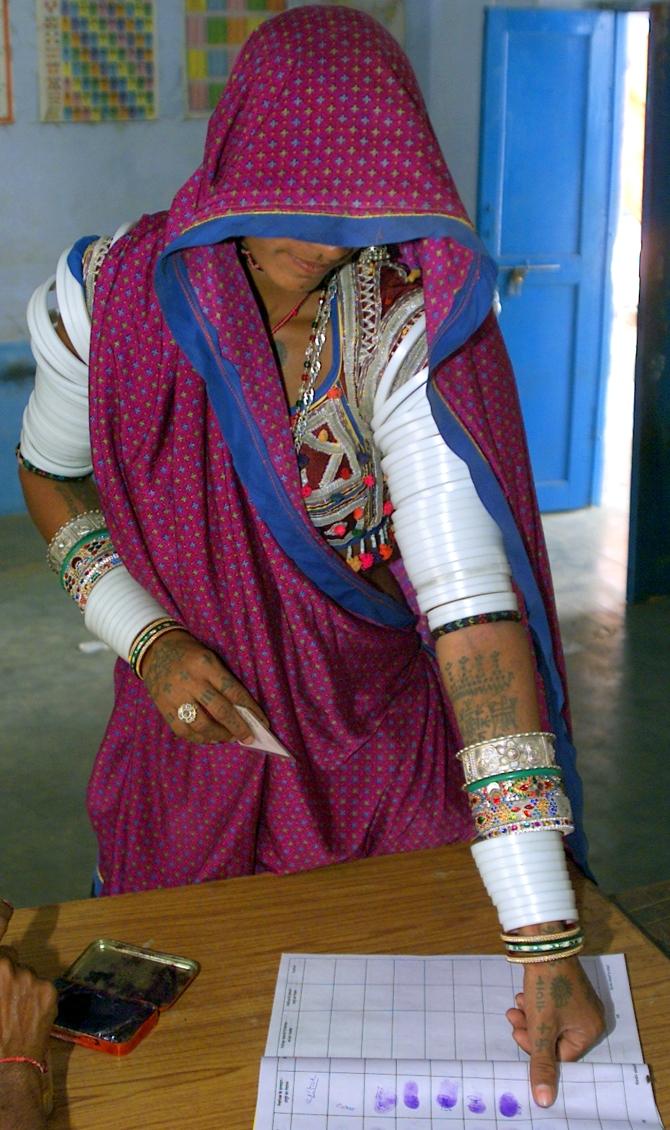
{"x": 319, "y": 258}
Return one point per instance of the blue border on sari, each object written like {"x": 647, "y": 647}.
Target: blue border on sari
{"x": 489, "y": 490}
{"x": 76, "y": 255}
{"x": 338, "y": 231}
{"x": 198, "y": 339}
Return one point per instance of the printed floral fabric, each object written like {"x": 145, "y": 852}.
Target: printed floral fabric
{"x": 321, "y": 134}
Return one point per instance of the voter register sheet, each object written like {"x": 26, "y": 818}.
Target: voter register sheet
{"x": 368, "y": 1042}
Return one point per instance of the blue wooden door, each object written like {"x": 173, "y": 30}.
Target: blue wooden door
{"x": 544, "y": 212}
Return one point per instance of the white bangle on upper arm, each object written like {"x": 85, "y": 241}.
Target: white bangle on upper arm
{"x": 55, "y": 433}
{"x": 451, "y": 547}
{"x": 118, "y": 608}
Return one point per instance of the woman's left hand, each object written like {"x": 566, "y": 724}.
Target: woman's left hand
{"x": 558, "y": 1017}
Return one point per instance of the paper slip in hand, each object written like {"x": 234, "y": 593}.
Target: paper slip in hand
{"x": 263, "y": 739}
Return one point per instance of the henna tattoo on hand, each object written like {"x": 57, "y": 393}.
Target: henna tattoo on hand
{"x": 540, "y": 995}
{"x": 561, "y": 990}
{"x": 162, "y": 660}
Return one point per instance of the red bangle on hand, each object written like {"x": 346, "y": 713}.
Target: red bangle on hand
{"x": 40, "y": 1065}
{"x": 6, "y": 903}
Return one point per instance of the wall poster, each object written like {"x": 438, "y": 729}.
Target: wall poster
{"x": 215, "y": 31}
{"x": 96, "y": 60}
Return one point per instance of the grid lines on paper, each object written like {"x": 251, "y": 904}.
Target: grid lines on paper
{"x": 397, "y": 1007}
{"x": 215, "y": 32}
{"x": 429, "y": 1007}
{"x": 96, "y": 60}
{"x": 313, "y": 1094}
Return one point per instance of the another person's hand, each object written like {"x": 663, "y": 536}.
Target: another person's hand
{"x": 27, "y": 1013}
{"x": 178, "y": 669}
{"x": 558, "y": 1017}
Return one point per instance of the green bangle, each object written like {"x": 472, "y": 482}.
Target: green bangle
{"x": 545, "y": 947}
{"x": 93, "y": 535}
{"x": 512, "y": 775}
{"x": 145, "y": 637}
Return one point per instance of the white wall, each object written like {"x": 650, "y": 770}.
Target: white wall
{"x": 444, "y": 41}
{"x": 60, "y": 181}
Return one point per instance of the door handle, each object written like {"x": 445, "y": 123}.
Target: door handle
{"x": 517, "y": 275}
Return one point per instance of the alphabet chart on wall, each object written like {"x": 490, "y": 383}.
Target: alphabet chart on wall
{"x": 366, "y": 1042}
{"x": 96, "y": 60}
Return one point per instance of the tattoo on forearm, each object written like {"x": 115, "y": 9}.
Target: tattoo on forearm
{"x": 477, "y": 722}
{"x": 561, "y": 990}
{"x": 478, "y": 689}
{"x": 77, "y": 497}
{"x": 477, "y": 676}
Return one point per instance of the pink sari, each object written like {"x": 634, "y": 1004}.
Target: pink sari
{"x": 321, "y": 134}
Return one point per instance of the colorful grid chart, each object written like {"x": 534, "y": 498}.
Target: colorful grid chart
{"x": 5, "y": 65}
{"x": 215, "y": 31}
{"x": 96, "y": 60}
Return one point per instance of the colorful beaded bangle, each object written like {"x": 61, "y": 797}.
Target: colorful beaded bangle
{"x": 99, "y": 567}
{"x": 535, "y": 959}
{"x": 39, "y": 1064}
{"x": 513, "y": 775}
{"x": 554, "y": 824}
{"x": 80, "y": 557}
{"x": 28, "y": 466}
{"x": 143, "y": 639}
{"x": 509, "y": 752}
{"x": 528, "y": 797}
{"x": 470, "y": 621}
{"x": 65, "y": 538}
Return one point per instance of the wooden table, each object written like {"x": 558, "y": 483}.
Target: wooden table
{"x": 199, "y": 1067}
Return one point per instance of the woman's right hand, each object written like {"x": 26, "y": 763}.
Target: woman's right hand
{"x": 178, "y": 669}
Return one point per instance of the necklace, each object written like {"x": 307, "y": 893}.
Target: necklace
{"x": 311, "y": 366}
{"x": 291, "y": 314}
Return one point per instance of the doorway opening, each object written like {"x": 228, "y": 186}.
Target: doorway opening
{"x": 589, "y": 548}
{"x": 625, "y": 273}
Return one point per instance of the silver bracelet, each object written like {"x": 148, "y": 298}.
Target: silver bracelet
{"x": 507, "y": 753}
{"x": 70, "y": 533}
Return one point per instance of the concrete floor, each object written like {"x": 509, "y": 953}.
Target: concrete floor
{"x": 58, "y": 693}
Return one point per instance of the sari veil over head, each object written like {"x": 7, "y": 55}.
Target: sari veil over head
{"x": 321, "y": 134}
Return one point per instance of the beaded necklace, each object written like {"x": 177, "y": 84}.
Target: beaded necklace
{"x": 311, "y": 366}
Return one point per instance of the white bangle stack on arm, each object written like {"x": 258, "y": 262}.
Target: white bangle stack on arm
{"x": 55, "y": 443}
{"x": 455, "y": 559}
